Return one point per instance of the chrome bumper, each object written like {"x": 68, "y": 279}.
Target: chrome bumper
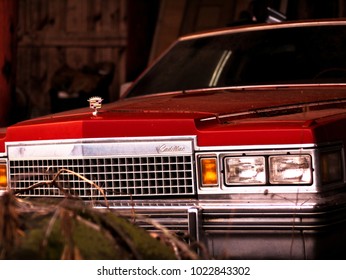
{"x": 248, "y": 230}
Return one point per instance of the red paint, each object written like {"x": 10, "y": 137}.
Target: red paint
{"x": 150, "y": 116}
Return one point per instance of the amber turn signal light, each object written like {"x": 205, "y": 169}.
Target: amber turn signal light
{"x": 3, "y": 176}
{"x": 209, "y": 172}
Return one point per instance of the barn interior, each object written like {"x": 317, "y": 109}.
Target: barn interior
{"x": 55, "y": 54}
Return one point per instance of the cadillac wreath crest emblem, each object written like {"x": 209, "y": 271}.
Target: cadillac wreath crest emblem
{"x": 95, "y": 103}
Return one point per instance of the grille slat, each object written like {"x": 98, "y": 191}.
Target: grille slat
{"x": 118, "y": 176}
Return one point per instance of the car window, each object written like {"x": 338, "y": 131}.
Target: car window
{"x": 310, "y": 54}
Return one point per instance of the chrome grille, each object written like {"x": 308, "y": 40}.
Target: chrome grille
{"x": 117, "y": 176}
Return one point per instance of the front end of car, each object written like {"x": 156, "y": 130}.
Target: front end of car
{"x": 233, "y": 140}
{"x": 251, "y": 201}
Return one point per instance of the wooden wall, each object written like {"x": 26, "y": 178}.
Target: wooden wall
{"x": 69, "y": 34}
{"x": 7, "y": 58}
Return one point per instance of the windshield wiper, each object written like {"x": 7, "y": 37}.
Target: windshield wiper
{"x": 278, "y": 110}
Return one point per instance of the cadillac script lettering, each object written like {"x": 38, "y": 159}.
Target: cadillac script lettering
{"x": 170, "y": 149}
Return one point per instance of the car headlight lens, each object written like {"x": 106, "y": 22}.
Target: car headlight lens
{"x": 245, "y": 170}
{"x": 290, "y": 169}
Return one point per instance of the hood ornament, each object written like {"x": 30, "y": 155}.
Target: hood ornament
{"x": 95, "y": 103}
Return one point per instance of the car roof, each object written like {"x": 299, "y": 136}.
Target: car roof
{"x": 263, "y": 26}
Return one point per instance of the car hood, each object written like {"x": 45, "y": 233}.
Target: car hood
{"x": 234, "y": 101}
{"x": 202, "y": 113}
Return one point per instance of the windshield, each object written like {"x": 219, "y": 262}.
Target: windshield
{"x": 309, "y": 55}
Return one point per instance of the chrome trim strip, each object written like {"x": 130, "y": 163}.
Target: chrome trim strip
{"x": 192, "y": 138}
{"x": 216, "y": 205}
{"x": 255, "y": 148}
{"x": 240, "y": 215}
{"x": 91, "y": 147}
{"x": 104, "y": 140}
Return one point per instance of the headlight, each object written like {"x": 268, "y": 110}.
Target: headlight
{"x": 245, "y": 170}
{"x": 290, "y": 169}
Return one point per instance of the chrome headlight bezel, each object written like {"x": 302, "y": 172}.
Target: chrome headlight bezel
{"x": 260, "y": 170}
{"x": 313, "y": 177}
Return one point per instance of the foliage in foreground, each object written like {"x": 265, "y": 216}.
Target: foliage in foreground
{"x": 68, "y": 229}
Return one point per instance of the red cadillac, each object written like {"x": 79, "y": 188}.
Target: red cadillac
{"x": 234, "y": 138}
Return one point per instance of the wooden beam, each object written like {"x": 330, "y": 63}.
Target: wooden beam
{"x": 74, "y": 40}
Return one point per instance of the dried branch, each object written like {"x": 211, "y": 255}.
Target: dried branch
{"x": 53, "y": 184}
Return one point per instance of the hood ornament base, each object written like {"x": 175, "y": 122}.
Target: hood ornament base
{"x": 95, "y": 103}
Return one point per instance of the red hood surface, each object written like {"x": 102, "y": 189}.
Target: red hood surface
{"x": 216, "y": 117}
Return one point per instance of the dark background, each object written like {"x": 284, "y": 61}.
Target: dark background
{"x": 60, "y": 52}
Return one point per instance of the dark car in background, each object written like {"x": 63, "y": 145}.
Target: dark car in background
{"x": 233, "y": 138}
